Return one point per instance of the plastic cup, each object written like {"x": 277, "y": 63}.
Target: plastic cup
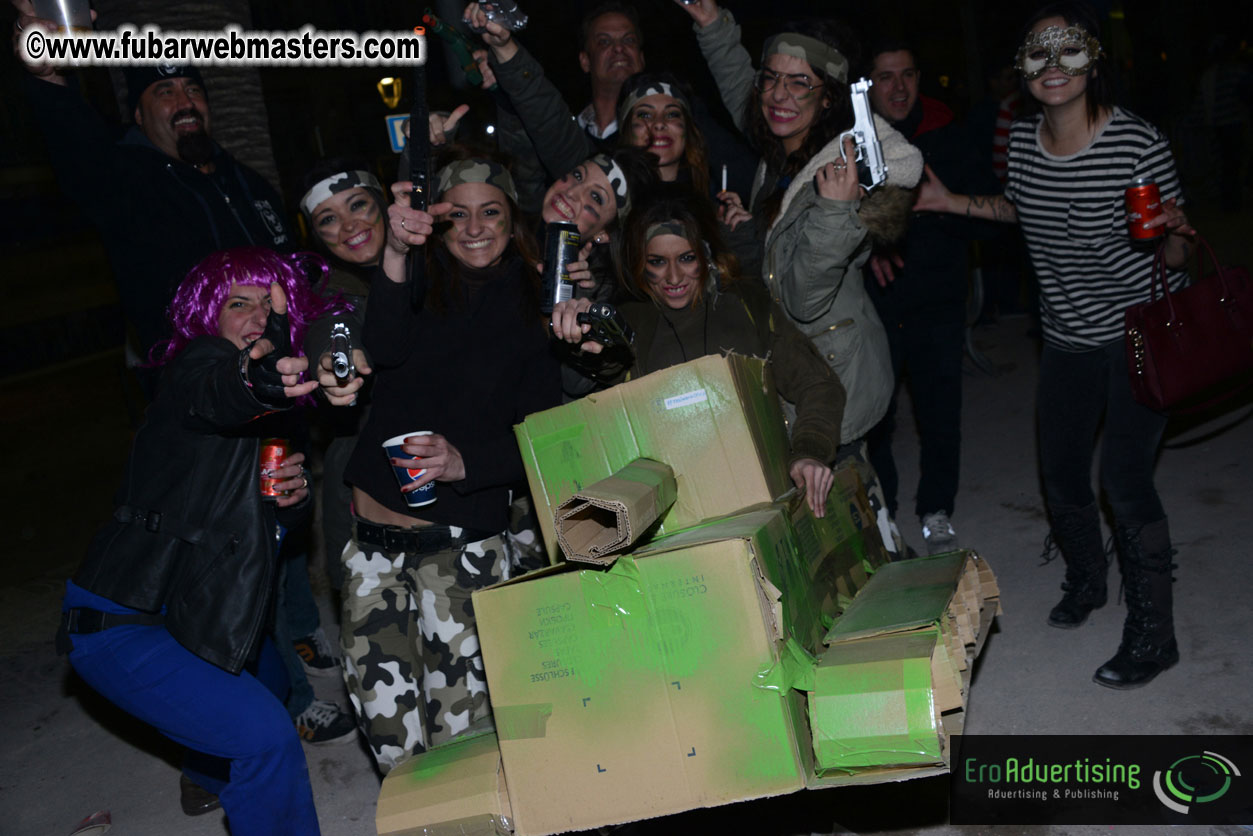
{"x": 392, "y": 448}
{"x": 71, "y": 15}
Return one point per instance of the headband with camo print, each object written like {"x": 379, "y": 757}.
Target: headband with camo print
{"x": 336, "y": 184}
{"x": 475, "y": 170}
{"x": 617, "y": 181}
{"x": 651, "y": 88}
{"x": 819, "y": 55}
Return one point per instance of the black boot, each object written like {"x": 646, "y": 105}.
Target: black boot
{"x": 1077, "y": 533}
{"x": 1148, "y": 635}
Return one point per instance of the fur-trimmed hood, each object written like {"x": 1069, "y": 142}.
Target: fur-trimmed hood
{"x": 885, "y": 211}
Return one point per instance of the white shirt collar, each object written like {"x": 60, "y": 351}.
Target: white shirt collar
{"x": 587, "y": 121}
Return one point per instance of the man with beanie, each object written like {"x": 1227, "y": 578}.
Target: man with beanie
{"x": 163, "y": 195}
{"x": 920, "y": 294}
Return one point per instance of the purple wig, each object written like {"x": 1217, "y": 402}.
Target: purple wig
{"x": 197, "y": 303}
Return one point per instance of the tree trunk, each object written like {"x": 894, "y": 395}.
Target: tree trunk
{"x": 240, "y": 123}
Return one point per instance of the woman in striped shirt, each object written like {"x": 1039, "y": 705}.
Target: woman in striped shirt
{"x": 1069, "y": 165}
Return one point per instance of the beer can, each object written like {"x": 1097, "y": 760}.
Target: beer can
{"x": 1144, "y": 203}
{"x": 561, "y": 246}
{"x": 274, "y": 452}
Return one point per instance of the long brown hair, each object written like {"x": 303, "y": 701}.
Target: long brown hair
{"x": 444, "y": 294}
{"x": 832, "y": 120}
{"x": 695, "y": 148}
{"x": 695, "y": 215}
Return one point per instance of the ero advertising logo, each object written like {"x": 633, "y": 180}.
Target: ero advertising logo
{"x": 1194, "y": 780}
{"x": 1101, "y": 779}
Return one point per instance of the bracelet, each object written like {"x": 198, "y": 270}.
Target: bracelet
{"x": 970, "y": 201}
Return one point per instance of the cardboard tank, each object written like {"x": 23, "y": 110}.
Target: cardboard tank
{"x": 701, "y": 637}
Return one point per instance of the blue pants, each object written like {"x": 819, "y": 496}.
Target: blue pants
{"x": 145, "y": 672}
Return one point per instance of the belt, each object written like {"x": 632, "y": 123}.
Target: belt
{"x": 425, "y": 540}
{"x": 86, "y": 620}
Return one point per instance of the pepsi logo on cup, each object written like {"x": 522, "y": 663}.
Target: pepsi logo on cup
{"x": 393, "y": 448}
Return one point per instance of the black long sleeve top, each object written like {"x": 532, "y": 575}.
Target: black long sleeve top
{"x": 468, "y": 372}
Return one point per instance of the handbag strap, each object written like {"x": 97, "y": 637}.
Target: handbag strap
{"x": 1159, "y": 275}
{"x": 1159, "y": 272}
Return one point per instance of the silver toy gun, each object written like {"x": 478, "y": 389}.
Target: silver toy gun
{"x": 871, "y": 168}
{"x": 341, "y": 353}
{"x": 506, "y": 13}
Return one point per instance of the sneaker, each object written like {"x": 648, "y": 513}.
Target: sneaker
{"x": 325, "y": 722}
{"x": 316, "y": 654}
{"x": 939, "y": 533}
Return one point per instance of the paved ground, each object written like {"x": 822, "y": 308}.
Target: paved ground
{"x": 67, "y": 754}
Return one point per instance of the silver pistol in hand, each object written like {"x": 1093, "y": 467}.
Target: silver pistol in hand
{"x": 341, "y": 353}
{"x": 872, "y": 170}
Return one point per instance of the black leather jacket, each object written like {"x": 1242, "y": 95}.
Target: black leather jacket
{"x": 191, "y": 534}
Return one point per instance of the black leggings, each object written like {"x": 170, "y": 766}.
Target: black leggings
{"x": 1076, "y": 390}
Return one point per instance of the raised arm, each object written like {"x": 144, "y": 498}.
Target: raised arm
{"x": 554, "y": 137}
{"x": 718, "y": 35}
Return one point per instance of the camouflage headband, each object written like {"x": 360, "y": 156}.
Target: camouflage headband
{"x": 817, "y": 54}
{"x": 651, "y": 88}
{"x": 475, "y": 170}
{"x": 671, "y": 227}
{"x": 336, "y": 184}
{"x": 617, "y": 181}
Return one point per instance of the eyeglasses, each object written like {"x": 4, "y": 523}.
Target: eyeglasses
{"x": 797, "y": 85}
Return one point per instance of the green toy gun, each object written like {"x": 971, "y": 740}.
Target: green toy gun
{"x": 462, "y": 47}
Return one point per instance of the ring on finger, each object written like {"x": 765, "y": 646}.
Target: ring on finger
{"x": 402, "y": 225}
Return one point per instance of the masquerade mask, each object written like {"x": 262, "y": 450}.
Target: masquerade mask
{"x": 1072, "y": 50}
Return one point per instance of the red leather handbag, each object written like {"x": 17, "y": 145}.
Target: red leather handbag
{"x": 1193, "y": 347}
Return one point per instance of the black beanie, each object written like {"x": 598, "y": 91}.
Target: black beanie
{"x": 139, "y": 79}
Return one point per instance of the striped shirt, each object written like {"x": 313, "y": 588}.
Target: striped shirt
{"x": 1074, "y": 219}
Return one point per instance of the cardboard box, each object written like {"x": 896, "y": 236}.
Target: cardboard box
{"x": 831, "y": 559}
{"x": 604, "y": 519}
{"x": 664, "y": 684}
{"x": 891, "y": 687}
{"x": 670, "y": 681}
{"x": 458, "y": 788}
{"x": 715, "y": 421}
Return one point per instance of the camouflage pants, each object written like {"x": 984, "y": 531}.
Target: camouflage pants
{"x": 524, "y": 535}
{"x": 411, "y": 654}
{"x": 856, "y": 453}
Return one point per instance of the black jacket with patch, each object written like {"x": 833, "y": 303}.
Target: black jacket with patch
{"x": 158, "y": 216}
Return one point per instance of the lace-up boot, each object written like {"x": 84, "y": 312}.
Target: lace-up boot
{"x": 1077, "y": 533}
{"x": 1148, "y": 635}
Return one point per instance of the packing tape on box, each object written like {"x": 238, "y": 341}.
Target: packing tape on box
{"x": 793, "y": 670}
{"x": 613, "y": 595}
{"x": 522, "y": 722}
{"x": 484, "y": 825}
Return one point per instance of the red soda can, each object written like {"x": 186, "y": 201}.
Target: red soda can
{"x": 273, "y": 453}
{"x": 1144, "y": 203}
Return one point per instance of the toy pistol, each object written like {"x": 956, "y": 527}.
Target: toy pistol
{"x": 872, "y": 170}
{"x": 506, "y": 13}
{"x": 608, "y": 327}
{"x": 341, "y": 353}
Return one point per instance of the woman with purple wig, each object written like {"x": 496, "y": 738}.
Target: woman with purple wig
{"x": 168, "y": 615}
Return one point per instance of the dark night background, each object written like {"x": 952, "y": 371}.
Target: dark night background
{"x": 65, "y": 305}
